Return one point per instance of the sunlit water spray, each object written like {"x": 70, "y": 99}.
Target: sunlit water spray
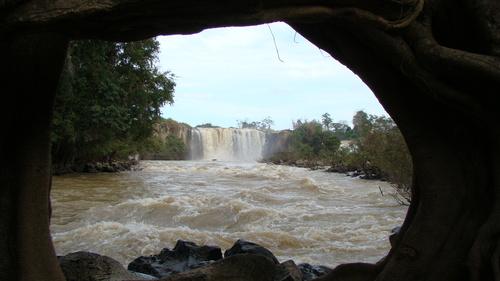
{"x": 308, "y": 216}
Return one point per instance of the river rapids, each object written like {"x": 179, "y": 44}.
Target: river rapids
{"x": 308, "y": 216}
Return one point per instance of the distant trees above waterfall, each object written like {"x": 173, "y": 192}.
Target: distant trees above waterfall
{"x": 206, "y": 125}
{"x": 109, "y": 97}
{"x": 264, "y": 125}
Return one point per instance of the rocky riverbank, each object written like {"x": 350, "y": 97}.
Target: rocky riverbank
{"x": 96, "y": 167}
{"x": 368, "y": 172}
{"x": 244, "y": 261}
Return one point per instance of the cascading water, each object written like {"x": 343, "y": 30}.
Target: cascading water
{"x": 227, "y": 144}
{"x": 195, "y": 145}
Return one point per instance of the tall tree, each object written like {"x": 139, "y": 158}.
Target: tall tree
{"x": 266, "y": 123}
{"x": 361, "y": 123}
{"x": 109, "y": 97}
{"x": 326, "y": 120}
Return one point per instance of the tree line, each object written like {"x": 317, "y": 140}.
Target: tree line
{"x": 373, "y": 147}
{"x": 109, "y": 97}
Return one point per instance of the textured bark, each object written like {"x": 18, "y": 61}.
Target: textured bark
{"x": 30, "y": 69}
{"x": 136, "y": 19}
{"x": 451, "y": 230}
{"x": 434, "y": 66}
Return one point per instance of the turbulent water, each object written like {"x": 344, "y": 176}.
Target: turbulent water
{"x": 309, "y": 216}
{"x": 226, "y": 144}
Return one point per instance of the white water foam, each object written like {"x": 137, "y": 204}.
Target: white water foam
{"x": 308, "y": 216}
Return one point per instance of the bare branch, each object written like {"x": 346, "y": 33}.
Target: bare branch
{"x": 402, "y": 195}
{"x": 275, "y": 45}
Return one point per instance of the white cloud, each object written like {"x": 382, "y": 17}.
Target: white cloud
{"x": 234, "y": 73}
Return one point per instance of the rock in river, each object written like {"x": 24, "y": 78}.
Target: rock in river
{"x": 85, "y": 266}
{"x": 241, "y": 267}
{"x": 245, "y": 247}
{"x": 245, "y": 261}
{"x": 311, "y": 272}
{"x": 185, "y": 256}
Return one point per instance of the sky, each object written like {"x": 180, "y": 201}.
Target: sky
{"x": 228, "y": 74}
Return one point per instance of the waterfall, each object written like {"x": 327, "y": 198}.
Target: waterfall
{"x": 226, "y": 144}
{"x": 195, "y": 145}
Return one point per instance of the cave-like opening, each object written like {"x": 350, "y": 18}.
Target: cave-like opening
{"x": 401, "y": 49}
{"x": 124, "y": 223}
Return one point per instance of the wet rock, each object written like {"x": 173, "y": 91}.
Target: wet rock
{"x": 90, "y": 168}
{"x": 245, "y": 247}
{"x": 85, "y": 266}
{"x": 338, "y": 169}
{"x": 300, "y": 163}
{"x": 394, "y": 235}
{"x": 185, "y": 256}
{"x": 242, "y": 267}
{"x": 310, "y": 272}
{"x": 354, "y": 173}
{"x": 370, "y": 176}
{"x": 288, "y": 271}
{"x": 95, "y": 167}
{"x": 318, "y": 167}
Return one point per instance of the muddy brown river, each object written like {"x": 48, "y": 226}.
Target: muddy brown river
{"x": 308, "y": 216}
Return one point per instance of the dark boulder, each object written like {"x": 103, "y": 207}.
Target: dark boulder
{"x": 244, "y": 267}
{"x": 245, "y": 247}
{"x": 185, "y": 256}
{"x": 288, "y": 271}
{"x": 310, "y": 272}
{"x": 85, "y": 266}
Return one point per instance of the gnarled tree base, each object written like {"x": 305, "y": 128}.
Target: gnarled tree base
{"x": 434, "y": 66}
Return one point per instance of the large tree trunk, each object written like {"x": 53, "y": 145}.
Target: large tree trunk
{"x": 434, "y": 65}
{"x": 30, "y": 69}
{"x": 451, "y": 231}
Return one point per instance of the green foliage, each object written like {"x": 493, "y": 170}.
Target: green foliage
{"x": 342, "y": 131}
{"x": 310, "y": 141}
{"x": 377, "y": 148}
{"x": 361, "y": 123}
{"x": 171, "y": 123}
{"x": 172, "y": 148}
{"x": 384, "y": 147}
{"x": 109, "y": 97}
{"x": 207, "y": 125}
{"x": 264, "y": 125}
{"x": 326, "y": 120}
{"x": 381, "y": 149}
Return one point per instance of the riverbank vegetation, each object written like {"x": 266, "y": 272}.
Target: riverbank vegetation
{"x": 373, "y": 148}
{"x": 108, "y": 101}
